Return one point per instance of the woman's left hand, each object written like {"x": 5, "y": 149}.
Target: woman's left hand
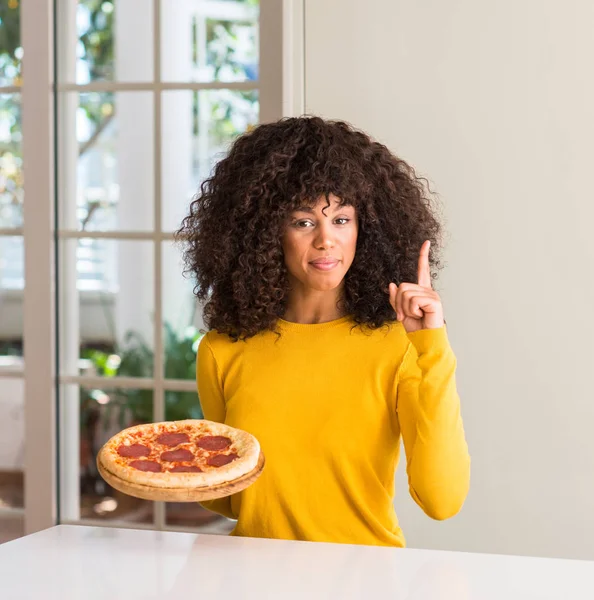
{"x": 418, "y": 306}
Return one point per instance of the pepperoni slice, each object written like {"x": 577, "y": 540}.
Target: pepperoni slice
{"x": 173, "y": 439}
{"x": 179, "y": 455}
{"x": 185, "y": 469}
{"x": 133, "y": 450}
{"x": 221, "y": 459}
{"x": 146, "y": 465}
{"x": 213, "y": 442}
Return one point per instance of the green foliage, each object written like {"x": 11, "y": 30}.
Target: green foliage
{"x": 224, "y": 49}
{"x": 97, "y": 39}
{"x": 10, "y": 41}
{"x": 97, "y": 43}
{"x": 11, "y": 172}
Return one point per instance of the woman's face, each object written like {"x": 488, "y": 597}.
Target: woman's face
{"x": 311, "y": 235}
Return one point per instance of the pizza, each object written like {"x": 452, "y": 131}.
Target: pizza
{"x": 169, "y": 459}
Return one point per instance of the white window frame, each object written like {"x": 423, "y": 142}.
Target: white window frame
{"x": 281, "y": 93}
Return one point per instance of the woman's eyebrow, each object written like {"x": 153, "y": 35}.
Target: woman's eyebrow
{"x": 307, "y": 209}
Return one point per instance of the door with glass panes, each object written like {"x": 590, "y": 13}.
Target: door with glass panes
{"x": 148, "y": 95}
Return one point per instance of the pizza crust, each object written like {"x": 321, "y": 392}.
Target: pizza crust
{"x": 183, "y": 494}
{"x": 245, "y": 445}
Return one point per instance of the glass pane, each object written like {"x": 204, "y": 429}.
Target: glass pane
{"x": 12, "y": 437}
{"x": 90, "y": 416}
{"x": 182, "y": 405}
{"x": 185, "y": 405}
{"x": 106, "y": 161}
{"x": 95, "y": 43}
{"x": 11, "y": 161}
{"x": 11, "y": 51}
{"x": 198, "y": 128}
{"x": 11, "y": 301}
{"x": 209, "y": 41}
{"x": 182, "y": 317}
{"x": 106, "y": 307}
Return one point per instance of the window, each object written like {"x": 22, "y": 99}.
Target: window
{"x": 12, "y": 443}
{"x": 148, "y": 96}
{"x": 148, "y": 101}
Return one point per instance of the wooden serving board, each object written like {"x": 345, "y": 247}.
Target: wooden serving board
{"x": 182, "y": 494}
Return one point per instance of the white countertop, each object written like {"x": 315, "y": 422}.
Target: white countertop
{"x": 71, "y": 562}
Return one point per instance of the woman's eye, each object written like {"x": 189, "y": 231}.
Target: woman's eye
{"x": 299, "y": 223}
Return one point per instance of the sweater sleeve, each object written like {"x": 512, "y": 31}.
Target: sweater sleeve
{"x": 428, "y": 408}
{"x": 212, "y": 401}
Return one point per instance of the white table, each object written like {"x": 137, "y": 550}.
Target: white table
{"x": 68, "y": 562}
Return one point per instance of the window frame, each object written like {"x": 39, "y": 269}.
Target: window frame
{"x": 281, "y": 91}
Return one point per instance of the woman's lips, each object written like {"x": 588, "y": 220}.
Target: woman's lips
{"x": 324, "y": 266}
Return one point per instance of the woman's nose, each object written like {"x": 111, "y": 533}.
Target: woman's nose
{"x": 324, "y": 237}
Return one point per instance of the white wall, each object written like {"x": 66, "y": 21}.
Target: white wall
{"x": 493, "y": 102}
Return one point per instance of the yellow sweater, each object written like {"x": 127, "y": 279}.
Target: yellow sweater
{"x": 328, "y": 405}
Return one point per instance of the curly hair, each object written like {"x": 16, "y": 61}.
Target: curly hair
{"x": 232, "y": 234}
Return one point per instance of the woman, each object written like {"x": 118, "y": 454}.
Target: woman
{"x": 312, "y": 246}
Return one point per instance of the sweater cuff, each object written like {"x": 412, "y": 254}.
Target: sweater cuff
{"x": 425, "y": 340}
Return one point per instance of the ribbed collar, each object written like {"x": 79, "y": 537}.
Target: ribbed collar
{"x": 311, "y": 327}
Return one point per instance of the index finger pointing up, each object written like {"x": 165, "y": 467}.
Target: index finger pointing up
{"x": 424, "y": 273}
